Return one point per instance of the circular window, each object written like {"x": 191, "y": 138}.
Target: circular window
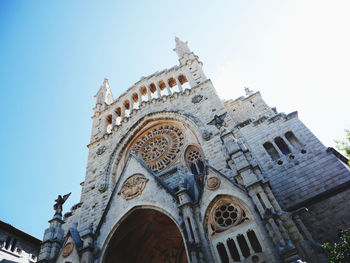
{"x": 225, "y": 214}
{"x": 159, "y": 146}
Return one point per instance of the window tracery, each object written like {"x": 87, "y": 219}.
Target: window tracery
{"x": 160, "y": 146}
{"x": 225, "y": 214}
{"x": 194, "y": 159}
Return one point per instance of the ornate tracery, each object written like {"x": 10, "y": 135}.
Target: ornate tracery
{"x": 159, "y": 146}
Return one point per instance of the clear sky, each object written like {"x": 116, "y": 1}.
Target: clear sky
{"x": 55, "y": 54}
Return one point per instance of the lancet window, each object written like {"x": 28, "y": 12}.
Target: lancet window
{"x": 194, "y": 160}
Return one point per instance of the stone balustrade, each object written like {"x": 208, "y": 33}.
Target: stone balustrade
{"x": 155, "y": 86}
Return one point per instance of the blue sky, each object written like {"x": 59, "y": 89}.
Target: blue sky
{"x": 55, "y": 54}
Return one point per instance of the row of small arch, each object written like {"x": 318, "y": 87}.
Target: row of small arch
{"x": 148, "y": 92}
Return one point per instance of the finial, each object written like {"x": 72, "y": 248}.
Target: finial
{"x": 105, "y": 81}
{"x": 248, "y": 91}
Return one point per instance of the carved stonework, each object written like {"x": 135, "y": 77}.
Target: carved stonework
{"x": 218, "y": 121}
{"x": 101, "y": 150}
{"x": 67, "y": 249}
{"x": 197, "y": 99}
{"x": 159, "y": 146}
{"x": 213, "y": 183}
{"x": 225, "y": 214}
{"x": 133, "y": 186}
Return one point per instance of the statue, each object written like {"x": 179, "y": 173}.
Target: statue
{"x": 59, "y": 203}
{"x": 181, "y": 48}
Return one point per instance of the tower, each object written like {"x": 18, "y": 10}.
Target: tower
{"x": 175, "y": 174}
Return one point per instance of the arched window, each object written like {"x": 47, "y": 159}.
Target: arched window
{"x": 194, "y": 160}
{"x": 183, "y": 81}
{"x": 226, "y": 213}
{"x": 222, "y": 253}
{"x": 243, "y": 245}
{"x": 271, "y": 150}
{"x": 233, "y": 249}
{"x": 254, "y": 242}
{"x": 293, "y": 140}
{"x": 109, "y": 123}
{"x": 282, "y": 145}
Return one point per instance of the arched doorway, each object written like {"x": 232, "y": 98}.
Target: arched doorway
{"x": 147, "y": 236}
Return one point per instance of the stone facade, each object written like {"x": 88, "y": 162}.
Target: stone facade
{"x": 175, "y": 174}
{"x": 17, "y": 246}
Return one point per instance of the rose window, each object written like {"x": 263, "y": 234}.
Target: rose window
{"x": 160, "y": 146}
{"x": 225, "y": 214}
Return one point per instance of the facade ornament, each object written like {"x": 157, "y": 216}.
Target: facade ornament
{"x": 101, "y": 150}
{"x": 218, "y": 121}
{"x": 197, "y": 99}
{"x": 59, "y": 203}
{"x": 104, "y": 94}
{"x": 213, "y": 183}
{"x": 133, "y": 186}
{"x": 67, "y": 249}
{"x": 181, "y": 48}
{"x": 248, "y": 91}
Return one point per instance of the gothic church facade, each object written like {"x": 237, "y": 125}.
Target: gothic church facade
{"x": 175, "y": 174}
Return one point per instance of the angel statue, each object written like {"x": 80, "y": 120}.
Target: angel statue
{"x": 59, "y": 202}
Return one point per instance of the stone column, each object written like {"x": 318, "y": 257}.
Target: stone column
{"x": 131, "y": 103}
{"x": 149, "y": 95}
{"x": 168, "y": 88}
{"x": 158, "y": 89}
{"x": 179, "y": 85}
{"x": 193, "y": 244}
{"x": 52, "y": 240}
{"x": 88, "y": 246}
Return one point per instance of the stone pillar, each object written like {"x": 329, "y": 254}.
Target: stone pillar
{"x": 131, "y": 103}
{"x": 193, "y": 243}
{"x": 179, "y": 85}
{"x": 88, "y": 246}
{"x": 168, "y": 88}
{"x": 52, "y": 240}
{"x": 122, "y": 112}
{"x": 149, "y": 95}
{"x": 158, "y": 89}
{"x": 139, "y": 95}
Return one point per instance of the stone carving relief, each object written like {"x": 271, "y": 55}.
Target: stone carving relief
{"x": 133, "y": 186}
{"x": 197, "y": 99}
{"x": 218, "y": 121}
{"x": 213, "y": 183}
{"x": 226, "y": 214}
{"x": 67, "y": 249}
{"x": 101, "y": 150}
{"x": 159, "y": 146}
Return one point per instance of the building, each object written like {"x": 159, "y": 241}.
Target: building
{"x": 175, "y": 174}
{"x": 17, "y": 246}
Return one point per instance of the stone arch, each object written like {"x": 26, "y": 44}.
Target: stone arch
{"x": 240, "y": 241}
{"x": 194, "y": 159}
{"x": 214, "y": 202}
{"x": 119, "y": 149}
{"x": 146, "y": 228}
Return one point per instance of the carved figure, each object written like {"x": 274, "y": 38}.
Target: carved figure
{"x": 59, "y": 203}
{"x": 133, "y": 186}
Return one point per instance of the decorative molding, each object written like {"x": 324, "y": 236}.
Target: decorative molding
{"x": 101, "y": 150}
{"x": 133, "y": 186}
{"x": 213, "y": 183}
{"x": 67, "y": 249}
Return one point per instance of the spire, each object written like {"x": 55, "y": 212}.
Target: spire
{"x": 104, "y": 94}
{"x": 181, "y": 48}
